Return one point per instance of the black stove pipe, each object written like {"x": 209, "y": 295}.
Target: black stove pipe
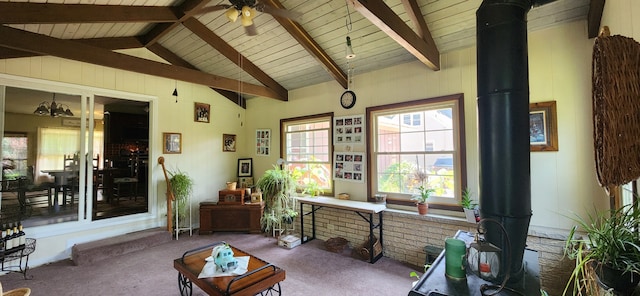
{"x": 503, "y": 125}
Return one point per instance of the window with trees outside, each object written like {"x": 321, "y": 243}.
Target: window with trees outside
{"x": 418, "y": 143}
{"x": 307, "y": 143}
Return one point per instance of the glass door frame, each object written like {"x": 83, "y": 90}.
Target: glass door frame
{"x": 87, "y": 95}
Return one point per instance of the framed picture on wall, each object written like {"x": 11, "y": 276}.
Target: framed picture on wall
{"x": 201, "y": 112}
{"x": 171, "y": 143}
{"x": 348, "y": 129}
{"x": 349, "y": 166}
{"x": 228, "y": 143}
{"x": 245, "y": 167}
{"x": 263, "y": 141}
{"x": 543, "y": 129}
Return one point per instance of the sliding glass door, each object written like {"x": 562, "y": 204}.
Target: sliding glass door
{"x": 68, "y": 157}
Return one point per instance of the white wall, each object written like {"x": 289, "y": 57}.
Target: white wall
{"x": 202, "y": 157}
{"x": 560, "y": 67}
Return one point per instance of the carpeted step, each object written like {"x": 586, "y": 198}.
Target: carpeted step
{"x": 90, "y": 252}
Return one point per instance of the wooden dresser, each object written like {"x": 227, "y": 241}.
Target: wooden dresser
{"x": 230, "y": 217}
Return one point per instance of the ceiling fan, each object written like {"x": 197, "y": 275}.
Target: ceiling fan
{"x": 246, "y": 10}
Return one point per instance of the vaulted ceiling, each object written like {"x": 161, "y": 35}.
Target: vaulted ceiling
{"x": 198, "y": 44}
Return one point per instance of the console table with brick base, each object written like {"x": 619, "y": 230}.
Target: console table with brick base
{"x": 230, "y": 217}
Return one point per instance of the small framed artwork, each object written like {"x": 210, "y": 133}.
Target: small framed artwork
{"x": 543, "y": 129}
{"x": 228, "y": 143}
{"x": 172, "y": 143}
{"x": 245, "y": 167}
{"x": 245, "y": 182}
{"x": 201, "y": 112}
{"x": 263, "y": 141}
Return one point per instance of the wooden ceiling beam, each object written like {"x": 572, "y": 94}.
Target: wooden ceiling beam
{"x": 175, "y": 60}
{"x": 415, "y": 14}
{"x": 47, "y": 13}
{"x": 233, "y": 55}
{"x": 594, "y": 17}
{"x": 183, "y": 12}
{"x": 32, "y": 42}
{"x": 386, "y": 20}
{"x": 298, "y": 33}
{"x": 111, "y": 43}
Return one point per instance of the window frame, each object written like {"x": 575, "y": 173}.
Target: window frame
{"x": 459, "y": 151}
{"x": 302, "y": 119}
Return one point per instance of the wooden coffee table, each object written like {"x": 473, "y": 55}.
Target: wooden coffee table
{"x": 262, "y": 278}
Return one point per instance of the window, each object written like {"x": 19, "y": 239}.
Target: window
{"x": 418, "y": 143}
{"x": 55, "y": 143}
{"x": 411, "y": 119}
{"x": 14, "y": 155}
{"x": 308, "y": 150}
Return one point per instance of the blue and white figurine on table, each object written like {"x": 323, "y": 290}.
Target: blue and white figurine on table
{"x": 223, "y": 258}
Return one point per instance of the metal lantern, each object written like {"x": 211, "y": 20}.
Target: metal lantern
{"x": 483, "y": 259}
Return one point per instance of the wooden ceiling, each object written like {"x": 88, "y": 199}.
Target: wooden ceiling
{"x": 205, "y": 48}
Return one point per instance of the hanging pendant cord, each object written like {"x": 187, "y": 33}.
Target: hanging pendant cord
{"x": 348, "y": 19}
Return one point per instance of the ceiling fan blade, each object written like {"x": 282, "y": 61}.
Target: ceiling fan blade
{"x": 292, "y": 15}
{"x": 251, "y": 30}
{"x": 213, "y": 8}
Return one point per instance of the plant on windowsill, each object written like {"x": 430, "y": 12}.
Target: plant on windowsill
{"x": 610, "y": 250}
{"x": 469, "y": 206}
{"x": 313, "y": 189}
{"x": 277, "y": 186}
{"x": 421, "y": 199}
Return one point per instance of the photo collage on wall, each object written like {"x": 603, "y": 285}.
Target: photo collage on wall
{"x": 263, "y": 140}
{"x": 349, "y": 166}
{"x": 348, "y": 130}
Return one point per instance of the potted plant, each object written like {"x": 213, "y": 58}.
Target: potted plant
{"x": 289, "y": 215}
{"x": 313, "y": 188}
{"x": 469, "y": 206}
{"x": 277, "y": 186}
{"x": 607, "y": 253}
{"x": 421, "y": 199}
{"x": 182, "y": 186}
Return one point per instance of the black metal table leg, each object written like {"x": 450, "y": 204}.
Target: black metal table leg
{"x": 184, "y": 285}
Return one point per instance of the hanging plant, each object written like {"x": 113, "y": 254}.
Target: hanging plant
{"x": 277, "y": 186}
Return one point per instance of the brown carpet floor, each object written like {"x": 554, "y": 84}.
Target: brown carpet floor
{"x": 310, "y": 270}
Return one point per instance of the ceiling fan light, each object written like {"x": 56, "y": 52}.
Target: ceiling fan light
{"x": 246, "y": 21}
{"x": 232, "y": 14}
{"x": 248, "y": 12}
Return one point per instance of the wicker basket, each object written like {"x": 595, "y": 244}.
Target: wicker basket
{"x": 363, "y": 250}
{"x": 336, "y": 244}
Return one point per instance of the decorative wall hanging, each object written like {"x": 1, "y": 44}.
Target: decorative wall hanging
{"x": 543, "y": 128}
{"x": 228, "y": 143}
{"x": 349, "y": 166}
{"x": 348, "y": 129}
{"x": 616, "y": 124}
{"x": 201, "y": 112}
{"x": 172, "y": 143}
{"x": 263, "y": 141}
{"x": 245, "y": 167}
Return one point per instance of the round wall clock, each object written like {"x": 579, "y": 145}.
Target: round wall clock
{"x": 348, "y": 99}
